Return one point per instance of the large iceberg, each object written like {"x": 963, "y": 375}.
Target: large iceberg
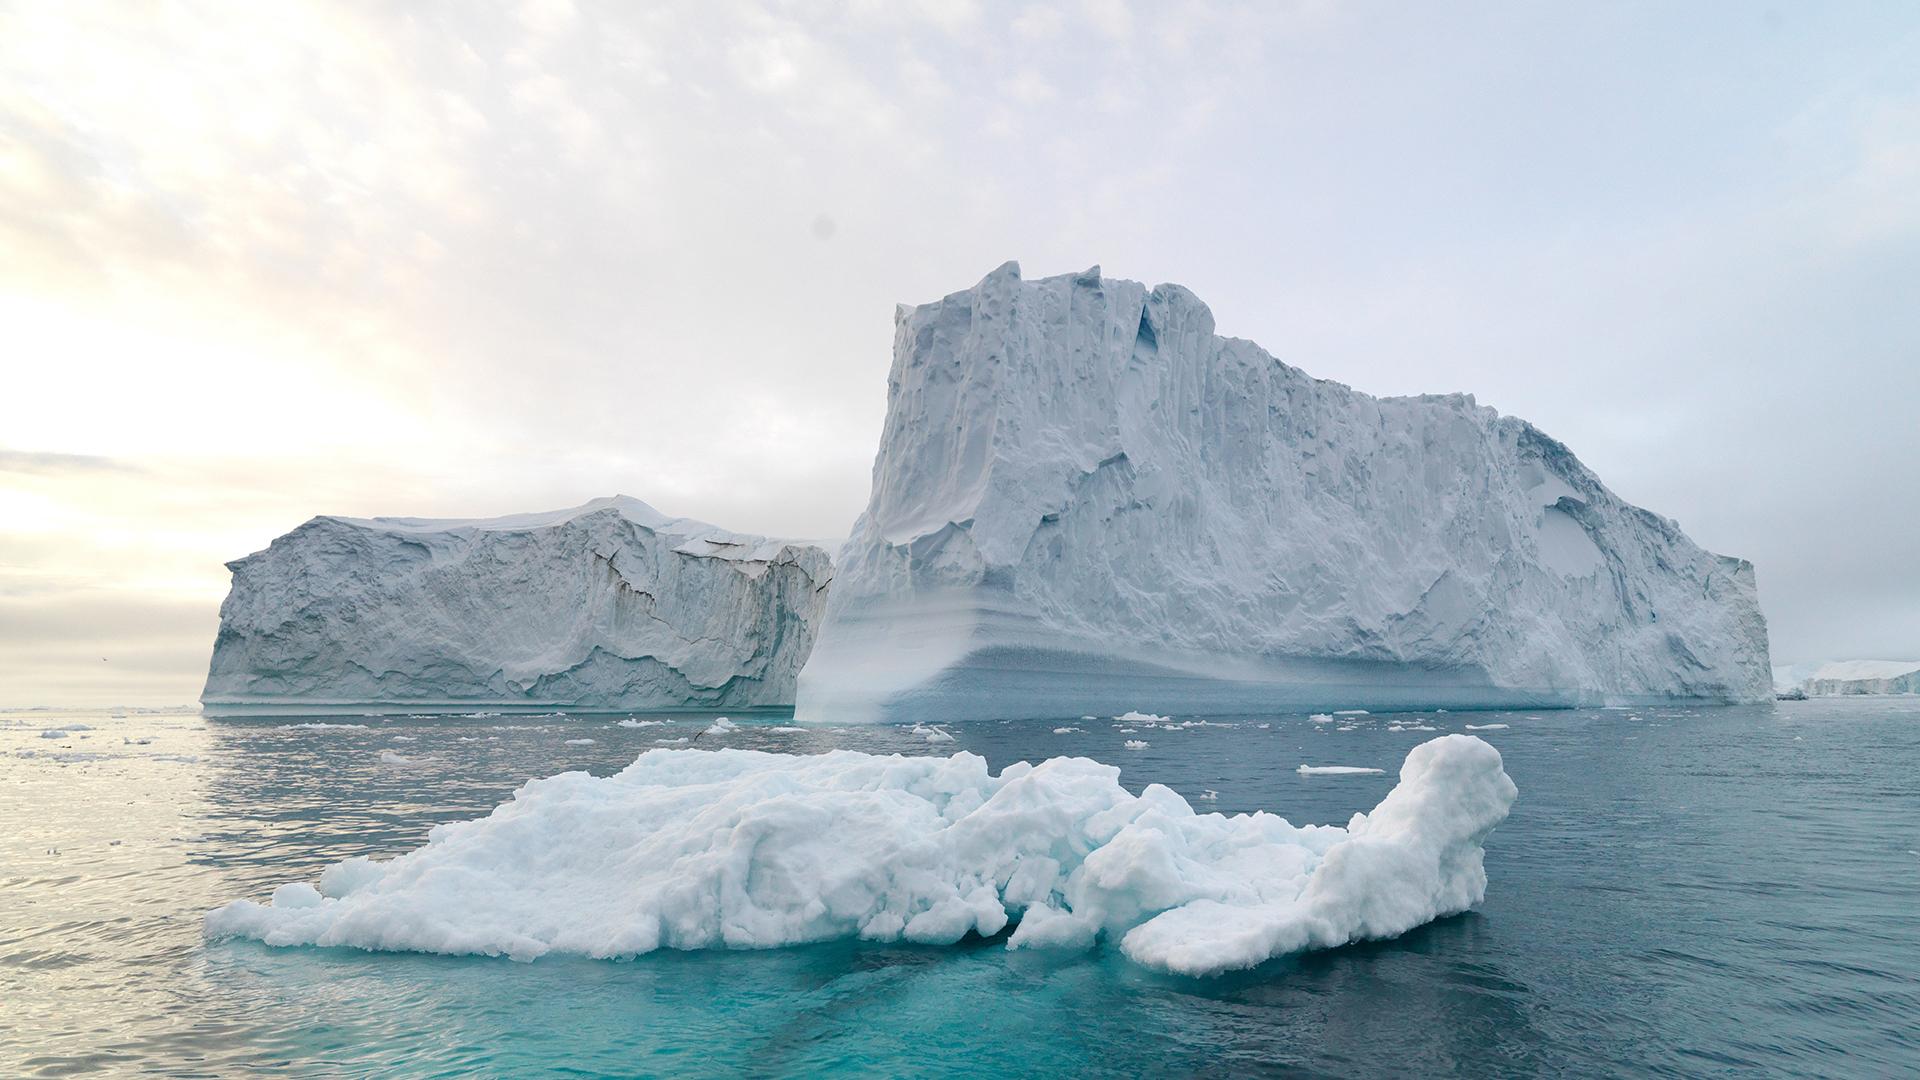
{"x": 692, "y": 849}
{"x": 1843, "y": 678}
{"x": 1086, "y": 500}
{"x": 610, "y": 605}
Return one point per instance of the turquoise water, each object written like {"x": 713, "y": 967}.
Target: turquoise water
{"x": 1678, "y": 890}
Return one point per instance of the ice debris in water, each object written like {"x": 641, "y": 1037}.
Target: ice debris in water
{"x": 630, "y": 722}
{"x": 1340, "y": 770}
{"x": 1146, "y": 718}
{"x": 1486, "y": 727}
{"x": 1137, "y": 744}
{"x": 721, "y": 726}
{"x": 388, "y": 757}
{"x": 579, "y": 742}
{"x": 689, "y": 849}
{"x": 932, "y": 734}
{"x": 1321, "y": 718}
{"x": 324, "y": 727}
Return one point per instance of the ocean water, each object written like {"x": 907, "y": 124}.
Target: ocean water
{"x": 1682, "y": 890}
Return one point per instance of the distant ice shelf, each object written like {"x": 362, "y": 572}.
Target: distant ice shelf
{"x": 1086, "y": 501}
{"x": 611, "y": 605}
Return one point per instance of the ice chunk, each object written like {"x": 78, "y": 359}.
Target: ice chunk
{"x": 388, "y": 757}
{"x": 1339, "y": 770}
{"x": 1085, "y": 500}
{"x": 691, "y": 849}
{"x": 1486, "y": 727}
{"x": 609, "y": 605}
{"x": 721, "y": 726}
{"x": 1137, "y": 744}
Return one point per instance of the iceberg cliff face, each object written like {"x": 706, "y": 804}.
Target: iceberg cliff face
{"x": 610, "y": 605}
{"x": 1086, "y": 501}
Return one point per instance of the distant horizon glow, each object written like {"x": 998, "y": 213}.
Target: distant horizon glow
{"x": 445, "y": 261}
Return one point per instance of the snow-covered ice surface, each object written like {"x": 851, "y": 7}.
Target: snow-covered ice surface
{"x": 610, "y": 605}
{"x": 1086, "y": 501}
{"x": 696, "y": 849}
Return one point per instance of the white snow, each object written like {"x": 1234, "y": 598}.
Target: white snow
{"x": 692, "y": 849}
{"x": 608, "y": 605}
{"x": 1085, "y": 500}
{"x": 1339, "y": 770}
{"x": 1486, "y": 727}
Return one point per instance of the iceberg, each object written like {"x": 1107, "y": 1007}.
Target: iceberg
{"x": 693, "y": 849}
{"x": 1086, "y": 500}
{"x": 606, "y": 606}
{"x": 1843, "y": 678}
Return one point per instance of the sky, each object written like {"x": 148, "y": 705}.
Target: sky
{"x": 260, "y": 262}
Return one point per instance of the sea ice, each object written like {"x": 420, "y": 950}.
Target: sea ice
{"x": 1339, "y": 770}
{"x": 1486, "y": 727}
{"x": 692, "y": 849}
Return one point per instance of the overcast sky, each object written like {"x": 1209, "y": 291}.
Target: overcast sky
{"x": 265, "y": 261}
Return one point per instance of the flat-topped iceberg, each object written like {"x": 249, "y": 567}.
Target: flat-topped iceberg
{"x": 1085, "y": 500}
{"x": 610, "y": 605}
{"x": 1852, "y": 677}
{"x": 692, "y": 849}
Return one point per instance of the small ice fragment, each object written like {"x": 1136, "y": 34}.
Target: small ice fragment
{"x": 53, "y": 733}
{"x": 630, "y": 722}
{"x": 1321, "y": 718}
{"x": 324, "y": 727}
{"x": 388, "y": 757}
{"x": 1350, "y": 712}
{"x": 1065, "y": 730}
{"x": 721, "y": 726}
{"x": 1142, "y": 718}
{"x": 1137, "y": 744}
{"x": 1486, "y": 727}
{"x": 405, "y": 738}
{"x": 579, "y": 742}
{"x": 1339, "y": 770}
{"x": 1210, "y": 795}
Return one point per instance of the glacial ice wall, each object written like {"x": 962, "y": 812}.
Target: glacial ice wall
{"x": 1844, "y": 678}
{"x": 609, "y": 605}
{"x": 1085, "y": 500}
{"x": 693, "y": 849}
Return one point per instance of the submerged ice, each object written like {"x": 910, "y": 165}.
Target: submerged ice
{"x": 692, "y": 849}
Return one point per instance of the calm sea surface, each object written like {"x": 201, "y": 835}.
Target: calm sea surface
{"x": 1680, "y": 891}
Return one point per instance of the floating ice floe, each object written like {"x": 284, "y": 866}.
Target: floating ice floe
{"x": 1066, "y": 730}
{"x": 388, "y": 757}
{"x": 579, "y": 742}
{"x": 1486, "y": 727}
{"x": 323, "y": 727}
{"x": 630, "y": 722}
{"x": 1137, "y": 744}
{"x": 721, "y": 726}
{"x": 690, "y": 849}
{"x": 1144, "y": 719}
{"x": 1339, "y": 770}
{"x": 1321, "y": 718}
